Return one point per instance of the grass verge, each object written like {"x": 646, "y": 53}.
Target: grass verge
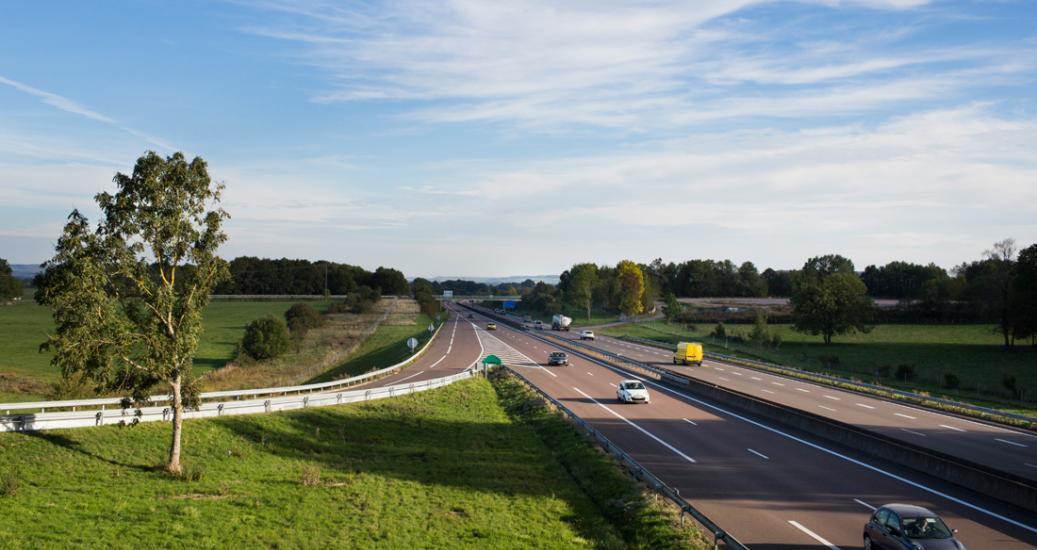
{"x": 445, "y": 468}
{"x": 387, "y": 346}
{"x": 641, "y": 521}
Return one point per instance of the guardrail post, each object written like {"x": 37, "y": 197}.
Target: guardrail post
{"x": 305, "y": 401}
{"x": 219, "y": 409}
{"x": 266, "y": 405}
{"x": 338, "y": 398}
{"x": 99, "y": 418}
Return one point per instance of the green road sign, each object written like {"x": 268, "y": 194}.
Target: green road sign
{"x": 491, "y": 360}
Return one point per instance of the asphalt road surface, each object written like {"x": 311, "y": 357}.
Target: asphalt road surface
{"x": 771, "y": 488}
{"x": 998, "y": 447}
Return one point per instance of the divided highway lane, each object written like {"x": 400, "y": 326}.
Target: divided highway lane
{"x": 455, "y": 349}
{"x": 768, "y": 488}
{"x": 1003, "y": 448}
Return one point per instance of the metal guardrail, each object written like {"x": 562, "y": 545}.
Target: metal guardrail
{"x": 228, "y": 395}
{"x": 82, "y": 419}
{"x": 915, "y": 398}
{"x": 639, "y": 471}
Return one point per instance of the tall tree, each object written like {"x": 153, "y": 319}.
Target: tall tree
{"x": 1026, "y": 294}
{"x": 819, "y": 267}
{"x": 581, "y": 281}
{"x": 1002, "y": 285}
{"x": 836, "y": 304}
{"x": 632, "y": 287}
{"x": 128, "y": 311}
{"x": 10, "y": 288}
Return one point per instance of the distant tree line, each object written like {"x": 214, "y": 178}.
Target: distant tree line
{"x": 10, "y": 287}
{"x": 251, "y": 275}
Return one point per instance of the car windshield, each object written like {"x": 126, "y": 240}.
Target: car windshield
{"x": 925, "y": 528}
{"x": 634, "y": 386}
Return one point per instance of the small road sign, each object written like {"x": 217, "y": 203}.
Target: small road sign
{"x": 412, "y": 343}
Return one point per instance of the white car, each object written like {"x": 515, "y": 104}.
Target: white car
{"x": 587, "y": 335}
{"x": 632, "y": 391}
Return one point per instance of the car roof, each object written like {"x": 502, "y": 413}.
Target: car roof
{"x": 908, "y": 510}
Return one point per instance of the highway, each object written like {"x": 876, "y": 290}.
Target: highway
{"x": 998, "y": 447}
{"x": 769, "y": 487}
{"x": 455, "y": 349}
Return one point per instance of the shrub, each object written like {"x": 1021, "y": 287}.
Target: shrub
{"x": 905, "y": 372}
{"x": 719, "y": 331}
{"x": 1011, "y": 384}
{"x": 302, "y": 317}
{"x": 951, "y": 381}
{"x": 776, "y": 341}
{"x": 883, "y": 371}
{"x": 265, "y": 338}
{"x": 310, "y": 475}
{"x": 8, "y": 484}
{"x": 760, "y": 335}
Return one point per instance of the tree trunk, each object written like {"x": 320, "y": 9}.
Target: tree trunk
{"x": 588, "y": 310}
{"x": 178, "y": 424}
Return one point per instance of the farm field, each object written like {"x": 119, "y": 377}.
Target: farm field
{"x": 972, "y": 353}
{"x": 454, "y": 467}
{"x": 27, "y": 374}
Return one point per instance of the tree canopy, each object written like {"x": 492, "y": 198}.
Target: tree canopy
{"x": 127, "y": 299}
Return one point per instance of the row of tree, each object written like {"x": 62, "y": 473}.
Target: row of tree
{"x": 10, "y": 287}
{"x": 265, "y": 276}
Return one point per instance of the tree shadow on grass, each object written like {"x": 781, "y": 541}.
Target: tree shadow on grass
{"x": 502, "y": 458}
{"x": 75, "y": 446}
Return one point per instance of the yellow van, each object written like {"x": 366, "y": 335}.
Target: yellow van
{"x": 688, "y": 353}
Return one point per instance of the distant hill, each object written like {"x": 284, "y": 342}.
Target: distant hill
{"x": 549, "y": 279}
{"x": 24, "y": 272}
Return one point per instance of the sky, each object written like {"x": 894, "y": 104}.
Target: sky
{"x": 465, "y": 137}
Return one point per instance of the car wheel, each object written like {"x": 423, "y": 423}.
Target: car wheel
{"x": 867, "y": 543}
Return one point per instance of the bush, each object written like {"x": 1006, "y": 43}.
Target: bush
{"x": 302, "y": 317}
{"x": 1012, "y": 385}
{"x": 265, "y": 338}
{"x": 883, "y": 371}
{"x": 719, "y": 331}
{"x": 951, "y": 381}
{"x": 905, "y": 372}
{"x": 310, "y": 475}
{"x": 8, "y": 484}
{"x": 776, "y": 341}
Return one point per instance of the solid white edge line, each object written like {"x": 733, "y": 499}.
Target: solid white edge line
{"x": 758, "y": 453}
{"x": 865, "y": 504}
{"x": 836, "y": 454}
{"x": 813, "y": 535}
{"x": 411, "y": 376}
{"x": 642, "y": 430}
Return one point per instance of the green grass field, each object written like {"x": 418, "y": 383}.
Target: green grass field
{"x": 27, "y": 373}
{"x": 444, "y": 469}
{"x": 970, "y": 352}
{"x": 387, "y": 346}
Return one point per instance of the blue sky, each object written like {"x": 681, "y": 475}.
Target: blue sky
{"x": 496, "y": 138}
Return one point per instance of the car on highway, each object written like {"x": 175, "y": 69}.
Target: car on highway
{"x": 557, "y": 358}
{"x": 491, "y": 326}
{"x": 632, "y": 391}
{"x": 908, "y": 527}
{"x": 587, "y": 335}
{"x": 688, "y": 353}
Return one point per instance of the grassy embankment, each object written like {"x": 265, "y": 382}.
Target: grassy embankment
{"x": 447, "y": 468}
{"x": 26, "y": 374}
{"x": 972, "y": 353}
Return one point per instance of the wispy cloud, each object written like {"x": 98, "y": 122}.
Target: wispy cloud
{"x": 604, "y": 64}
{"x": 75, "y": 108}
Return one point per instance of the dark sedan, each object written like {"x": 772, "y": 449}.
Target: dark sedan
{"x": 907, "y": 527}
